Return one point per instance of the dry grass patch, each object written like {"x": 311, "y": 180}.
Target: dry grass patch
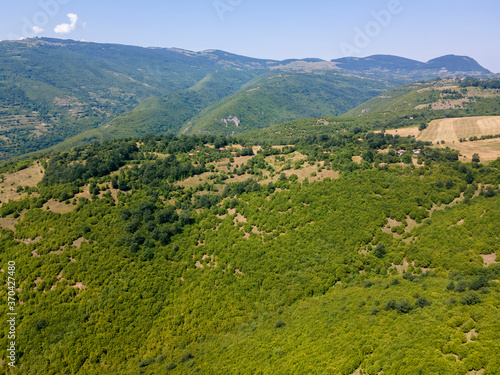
{"x": 412, "y": 224}
{"x": 37, "y": 281}
{"x": 78, "y": 242}
{"x": 30, "y": 177}
{"x": 311, "y": 172}
{"x": 357, "y": 159}
{"x": 256, "y": 149}
{"x": 404, "y": 268}
{"x": 240, "y": 219}
{"x": 85, "y": 193}
{"x": 194, "y": 181}
{"x": 9, "y": 222}
{"x": 480, "y": 372}
{"x": 404, "y": 132}
{"x": 470, "y": 335}
{"x": 59, "y": 207}
{"x": 488, "y": 149}
{"x": 114, "y": 194}
{"x": 390, "y": 224}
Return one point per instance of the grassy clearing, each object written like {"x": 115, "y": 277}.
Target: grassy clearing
{"x": 30, "y": 177}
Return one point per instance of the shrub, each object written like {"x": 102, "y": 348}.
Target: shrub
{"x": 394, "y": 282}
{"x": 390, "y": 305}
{"x": 368, "y": 284}
{"x": 422, "y": 302}
{"x": 186, "y": 357}
{"x": 470, "y": 298}
{"x": 279, "y": 324}
{"x": 451, "y": 301}
{"x": 404, "y": 306}
{"x": 478, "y": 283}
{"x": 461, "y": 286}
{"x": 170, "y": 366}
{"x": 379, "y": 251}
{"x": 146, "y": 362}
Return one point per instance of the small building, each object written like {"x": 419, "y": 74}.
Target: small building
{"x": 417, "y": 151}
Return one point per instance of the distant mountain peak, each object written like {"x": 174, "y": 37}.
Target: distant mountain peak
{"x": 448, "y": 64}
{"x": 456, "y": 63}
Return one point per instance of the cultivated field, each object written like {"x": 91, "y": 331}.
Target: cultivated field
{"x": 488, "y": 149}
{"x": 452, "y": 129}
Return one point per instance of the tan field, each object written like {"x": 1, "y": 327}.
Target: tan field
{"x": 404, "y": 132}
{"x": 452, "y": 129}
{"x": 488, "y": 149}
{"x": 30, "y": 176}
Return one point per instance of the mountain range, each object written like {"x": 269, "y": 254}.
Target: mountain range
{"x": 54, "y": 91}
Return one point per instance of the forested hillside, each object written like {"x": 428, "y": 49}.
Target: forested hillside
{"x": 334, "y": 254}
{"x": 62, "y": 93}
{"x": 276, "y": 98}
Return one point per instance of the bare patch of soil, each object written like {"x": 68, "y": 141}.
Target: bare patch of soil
{"x": 37, "y": 281}
{"x": 489, "y": 259}
{"x": 471, "y": 334}
{"x": 240, "y": 219}
{"x": 28, "y": 241}
{"x": 78, "y": 243}
{"x": 412, "y": 224}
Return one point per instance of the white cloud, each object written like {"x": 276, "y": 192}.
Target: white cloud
{"x": 37, "y": 29}
{"x": 66, "y": 28}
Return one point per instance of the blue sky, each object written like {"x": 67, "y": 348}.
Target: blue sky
{"x": 276, "y": 29}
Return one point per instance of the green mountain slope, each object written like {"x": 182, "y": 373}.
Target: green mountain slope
{"x": 275, "y": 98}
{"x": 169, "y": 260}
{"x": 442, "y": 97}
{"x": 53, "y": 90}
{"x": 166, "y": 114}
